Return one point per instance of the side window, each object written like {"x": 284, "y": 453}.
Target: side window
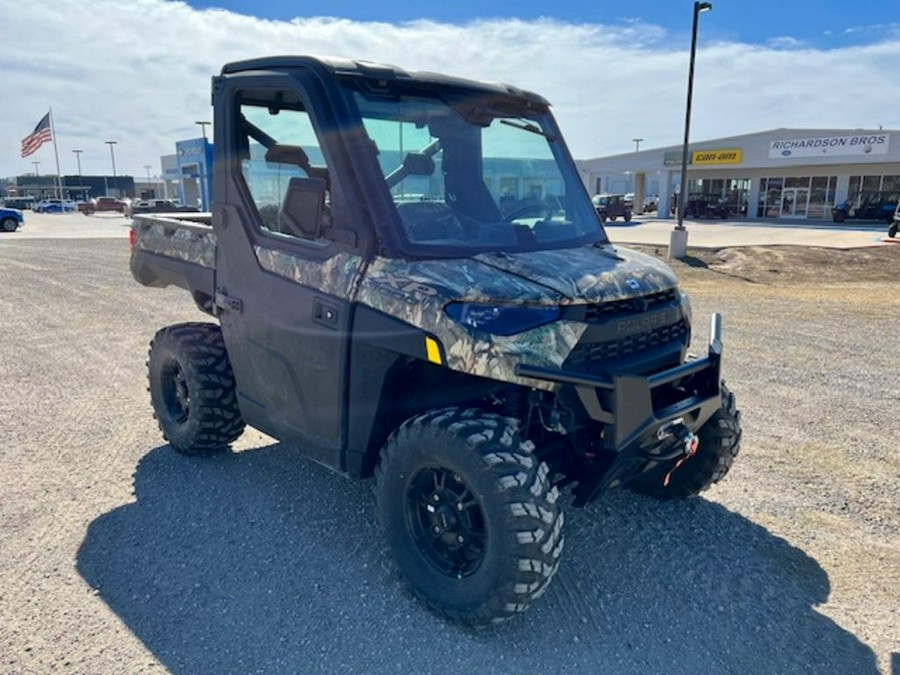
{"x": 283, "y": 165}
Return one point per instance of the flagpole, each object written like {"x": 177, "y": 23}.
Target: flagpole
{"x": 56, "y": 152}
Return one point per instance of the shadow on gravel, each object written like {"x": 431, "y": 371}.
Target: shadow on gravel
{"x": 262, "y": 561}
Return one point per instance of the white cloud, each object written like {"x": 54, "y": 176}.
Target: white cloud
{"x": 139, "y": 73}
{"x": 784, "y": 42}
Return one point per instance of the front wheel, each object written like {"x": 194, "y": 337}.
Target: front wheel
{"x": 719, "y": 443}
{"x": 470, "y": 514}
{"x": 192, "y": 388}
{"x": 892, "y": 230}
{"x": 10, "y": 224}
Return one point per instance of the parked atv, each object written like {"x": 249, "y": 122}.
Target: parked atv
{"x": 612, "y": 206}
{"x": 864, "y": 205}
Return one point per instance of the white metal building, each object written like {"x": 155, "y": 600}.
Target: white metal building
{"x": 781, "y": 173}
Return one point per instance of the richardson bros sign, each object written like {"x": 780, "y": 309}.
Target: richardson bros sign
{"x": 863, "y": 144}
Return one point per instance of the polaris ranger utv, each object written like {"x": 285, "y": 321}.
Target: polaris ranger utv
{"x": 410, "y": 282}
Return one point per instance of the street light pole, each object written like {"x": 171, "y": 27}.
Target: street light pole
{"x": 203, "y": 126}
{"x": 80, "y": 179}
{"x": 112, "y": 156}
{"x": 37, "y": 182}
{"x": 637, "y": 144}
{"x": 147, "y": 166}
{"x": 678, "y": 238}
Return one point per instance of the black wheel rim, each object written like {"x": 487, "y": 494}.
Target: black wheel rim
{"x": 176, "y": 396}
{"x": 446, "y": 521}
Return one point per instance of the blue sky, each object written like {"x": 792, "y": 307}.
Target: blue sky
{"x": 816, "y": 23}
{"x": 138, "y": 72}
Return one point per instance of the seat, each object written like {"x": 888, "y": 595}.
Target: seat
{"x": 429, "y": 221}
{"x": 302, "y": 207}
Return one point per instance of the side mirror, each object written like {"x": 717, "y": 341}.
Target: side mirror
{"x": 418, "y": 164}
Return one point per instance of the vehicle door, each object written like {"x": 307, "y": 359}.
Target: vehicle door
{"x": 288, "y": 261}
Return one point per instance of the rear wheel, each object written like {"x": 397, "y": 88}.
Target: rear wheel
{"x": 892, "y": 230}
{"x": 192, "y": 388}
{"x": 470, "y": 514}
{"x": 719, "y": 443}
{"x": 9, "y": 224}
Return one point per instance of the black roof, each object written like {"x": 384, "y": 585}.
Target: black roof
{"x": 338, "y": 67}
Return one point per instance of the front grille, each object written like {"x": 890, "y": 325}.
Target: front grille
{"x": 593, "y": 356}
{"x": 603, "y": 310}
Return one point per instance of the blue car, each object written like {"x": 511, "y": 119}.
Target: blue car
{"x": 54, "y": 206}
{"x": 11, "y": 219}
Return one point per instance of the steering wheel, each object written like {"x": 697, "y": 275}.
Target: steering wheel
{"x": 543, "y": 210}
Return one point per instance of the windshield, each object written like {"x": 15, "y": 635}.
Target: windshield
{"x": 467, "y": 175}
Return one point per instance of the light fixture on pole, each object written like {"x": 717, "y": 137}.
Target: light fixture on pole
{"x": 203, "y": 126}
{"x": 637, "y": 144}
{"x": 678, "y": 238}
{"x": 112, "y": 156}
{"x": 80, "y": 179}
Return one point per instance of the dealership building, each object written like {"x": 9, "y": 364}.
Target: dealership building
{"x": 781, "y": 173}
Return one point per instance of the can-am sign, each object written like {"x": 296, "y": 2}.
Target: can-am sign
{"x": 824, "y": 146}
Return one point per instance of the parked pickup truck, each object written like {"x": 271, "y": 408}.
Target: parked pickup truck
{"x": 103, "y": 204}
{"x": 157, "y": 206}
{"x": 378, "y": 297}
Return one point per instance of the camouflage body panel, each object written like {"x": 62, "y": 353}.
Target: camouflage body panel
{"x": 417, "y": 292}
{"x": 589, "y": 274}
{"x": 191, "y": 243}
{"x": 336, "y": 276}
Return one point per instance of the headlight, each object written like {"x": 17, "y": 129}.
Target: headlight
{"x": 500, "y": 319}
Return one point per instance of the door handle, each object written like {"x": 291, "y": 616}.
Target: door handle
{"x": 228, "y": 303}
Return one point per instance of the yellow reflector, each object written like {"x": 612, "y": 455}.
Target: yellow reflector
{"x": 433, "y": 350}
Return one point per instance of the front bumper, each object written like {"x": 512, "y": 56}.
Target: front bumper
{"x": 645, "y": 418}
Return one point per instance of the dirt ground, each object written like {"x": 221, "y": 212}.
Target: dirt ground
{"x": 776, "y": 265}
{"x": 814, "y": 361}
{"x": 119, "y": 555}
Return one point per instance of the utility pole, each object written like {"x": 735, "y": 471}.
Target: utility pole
{"x": 112, "y": 155}
{"x": 80, "y": 179}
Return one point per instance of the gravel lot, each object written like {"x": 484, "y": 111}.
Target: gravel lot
{"x": 118, "y": 555}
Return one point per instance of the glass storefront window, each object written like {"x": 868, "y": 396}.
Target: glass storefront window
{"x": 796, "y": 197}
{"x": 871, "y": 183}
{"x": 821, "y": 197}
{"x": 773, "y": 198}
{"x": 890, "y": 183}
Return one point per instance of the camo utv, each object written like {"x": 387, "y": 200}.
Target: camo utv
{"x": 410, "y": 282}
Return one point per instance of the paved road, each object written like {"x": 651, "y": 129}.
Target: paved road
{"x": 119, "y": 555}
{"x": 726, "y": 233}
{"x": 642, "y": 230}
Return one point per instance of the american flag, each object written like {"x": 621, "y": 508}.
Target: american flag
{"x": 38, "y": 137}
